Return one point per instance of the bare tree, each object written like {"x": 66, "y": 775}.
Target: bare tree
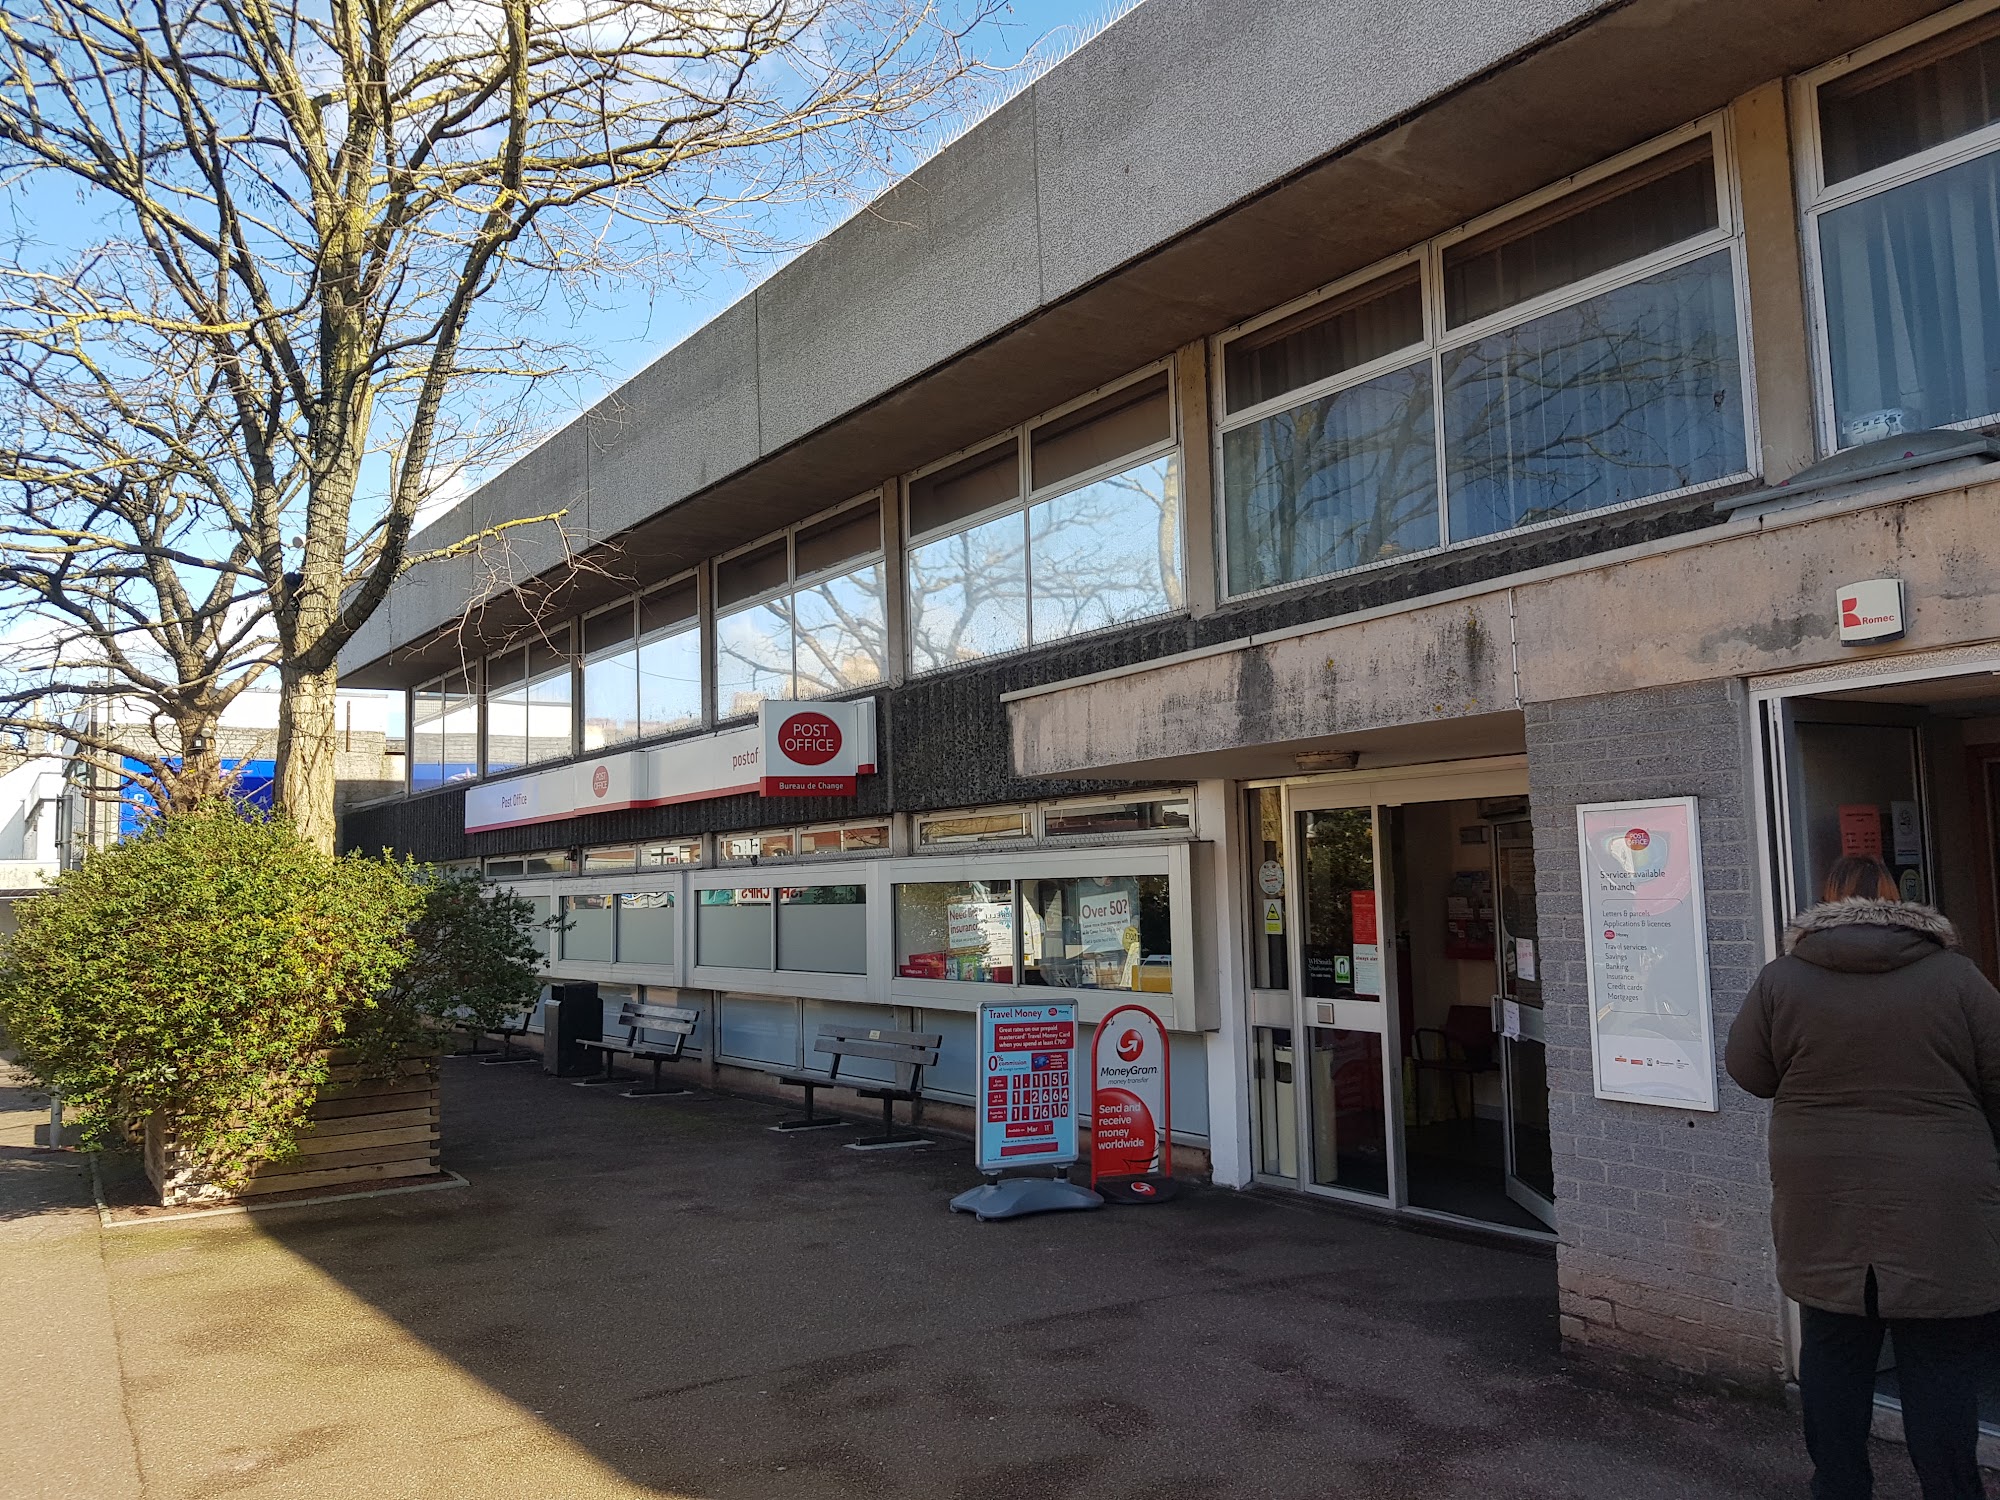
{"x": 325, "y": 226}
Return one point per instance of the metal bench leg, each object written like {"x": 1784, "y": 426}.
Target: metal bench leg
{"x": 810, "y": 1121}
{"x": 656, "y": 1091}
{"x": 600, "y": 1080}
{"x": 509, "y": 1055}
{"x": 888, "y": 1137}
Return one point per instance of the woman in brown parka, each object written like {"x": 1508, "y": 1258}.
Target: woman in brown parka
{"x": 1880, "y": 1043}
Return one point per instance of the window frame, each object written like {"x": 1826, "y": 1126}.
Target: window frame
{"x": 794, "y": 583}
{"x": 1440, "y": 340}
{"x": 583, "y": 656}
{"x": 1817, "y": 198}
{"x": 1027, "y": 496}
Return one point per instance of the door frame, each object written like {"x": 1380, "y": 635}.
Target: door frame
{"x": 1374, "y": 790}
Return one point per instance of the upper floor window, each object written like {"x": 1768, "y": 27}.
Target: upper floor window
{"x": 1571, "y": 353}
{"x": 642, "y": 667}
{"x": 1071, "y": 524}
{"x": 529, "y": 696}
{"x": 444, "y": 731}
{"x": 1902, "y": 202}
{"x": 803, "y": 614}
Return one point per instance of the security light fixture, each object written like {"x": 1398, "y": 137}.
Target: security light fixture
{"x": 1327, "y": 760}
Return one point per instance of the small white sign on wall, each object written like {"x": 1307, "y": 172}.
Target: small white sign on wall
{"x": 1652, "y": 1036}
{"x": 1871, "y": 612}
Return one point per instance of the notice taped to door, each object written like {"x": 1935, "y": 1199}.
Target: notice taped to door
{"x": 1652, "y": 1036}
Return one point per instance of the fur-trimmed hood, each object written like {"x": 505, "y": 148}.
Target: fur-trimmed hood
{"x": 1862, "y": 935}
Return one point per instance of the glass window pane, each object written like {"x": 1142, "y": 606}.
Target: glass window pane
{"x": 1913, "y": 303}
{"x": 843, "y": 633}
{"x": 670, "y": 852}
{"x": 956, "y": 929}
{"x": 461, "y": 732}
{"x": 864, "y": 838}
{"x": 852, "y": 534}
{"x": 667, "y": 609}
{"x": 1364, "y": 325}
{"x": 427, "y": 706}
{"x": 757, "y": 571}
{"x": 670, "y": 682}
{"x": 1934, "y": 92}
{"x": 820, "y": 841}
{"x": 823, "y": 929}
{"x": 973, "y": 828}
{"x": 1343, "y": 480}
{"x": 966, "y": 488}
{"x": 1629, "y": 394}
{"x": 554, "y": 862}
{"x": 1108, "y": 552}
{"x": 1350, "y": 1146}
{"x": 968, "y": 595}
{"x": 646, "y": 923}
{"x": 732, "y": 928}
{"x": 551, "y": 732}
{"x": 610, "y": 700}
{"x": 610, "y": 857}
{"x": 753, "y": 658}
{"x": 607, "y": 629}
{"x": 1099, "y": 932}
{"x": 1659, "y": 202}
{"x": 506, "y": 712}
{"x": 1270, "y": 955}
{"x": 541, "y": 929}
{"x": 1140, "y": 416}
{"x": 1157, "y": 816}
{"x": 587, "y": 927}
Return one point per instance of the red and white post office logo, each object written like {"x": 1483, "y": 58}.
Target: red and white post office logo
{"x": 1637, "y": 838}
{"x": 809, "y": 739}
{"x": 600, "y": 781}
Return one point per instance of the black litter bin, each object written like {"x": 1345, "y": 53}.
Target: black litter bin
{"x": 571, "y": 1015}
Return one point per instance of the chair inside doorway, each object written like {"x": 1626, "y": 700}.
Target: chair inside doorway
{"x": 1447, "y": 938}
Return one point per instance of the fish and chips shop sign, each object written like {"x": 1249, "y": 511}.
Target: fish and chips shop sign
{"x": 793, "y": 750}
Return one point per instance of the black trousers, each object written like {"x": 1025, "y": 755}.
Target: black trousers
{"x": 1938, "y": 1366}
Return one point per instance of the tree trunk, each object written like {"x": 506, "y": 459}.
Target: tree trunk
{"x": 200, "y": 775}
{"x": 307, "y": 730}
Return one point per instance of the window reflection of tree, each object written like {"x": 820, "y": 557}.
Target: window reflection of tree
{"x": 1333, "y": 483}
{"x": 1633, "y": 393}
{"x": 1100, "y": 555}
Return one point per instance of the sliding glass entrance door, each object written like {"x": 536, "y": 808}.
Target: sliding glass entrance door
{"x": 1345, "y": 988}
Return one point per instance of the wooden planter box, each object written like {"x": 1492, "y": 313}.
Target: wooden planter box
{"x": 364, "y": 1132}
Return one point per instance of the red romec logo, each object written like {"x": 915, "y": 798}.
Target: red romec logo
{"x": 600, "y": 781}
{"x": 809, "y": 739}
{"x": 1850, "y": 612}
{"x": 1130, "y": 1045}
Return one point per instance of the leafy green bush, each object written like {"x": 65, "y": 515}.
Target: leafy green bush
{"x": 472, "y": 961}
{"x": 200, "y": 970}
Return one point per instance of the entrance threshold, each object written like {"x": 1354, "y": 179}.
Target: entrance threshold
{"x": 1417, "y": 1220}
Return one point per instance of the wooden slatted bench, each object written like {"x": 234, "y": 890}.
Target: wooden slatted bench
{"x": 909, "y": 1051}
{"x": 513, "y": 1026}
{"x": 652, "y": 1033}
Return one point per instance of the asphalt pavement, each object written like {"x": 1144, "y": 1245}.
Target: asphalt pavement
{"x": 666, "y": 1298}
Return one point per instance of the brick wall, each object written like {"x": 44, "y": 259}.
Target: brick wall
{"x": 1662, "y": 1214}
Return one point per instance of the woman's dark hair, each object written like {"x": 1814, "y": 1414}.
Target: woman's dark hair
{"x": 1859, "y": 877}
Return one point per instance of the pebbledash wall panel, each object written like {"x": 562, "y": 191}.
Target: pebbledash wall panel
{"x": 1664, "y": 1253}
{"x": 945, "y": 738}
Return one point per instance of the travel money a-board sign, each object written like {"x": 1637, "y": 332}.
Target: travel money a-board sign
{"x": 1651, "y": 1033}
{"x": 1027, "y": 1113}
{"x": 1131, "y": 1107}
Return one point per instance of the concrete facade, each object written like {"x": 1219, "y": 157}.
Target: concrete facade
{"x": 1654, "y": 647}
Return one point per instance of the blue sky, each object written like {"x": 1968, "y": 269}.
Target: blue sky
{"x": 628, "y": 335}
